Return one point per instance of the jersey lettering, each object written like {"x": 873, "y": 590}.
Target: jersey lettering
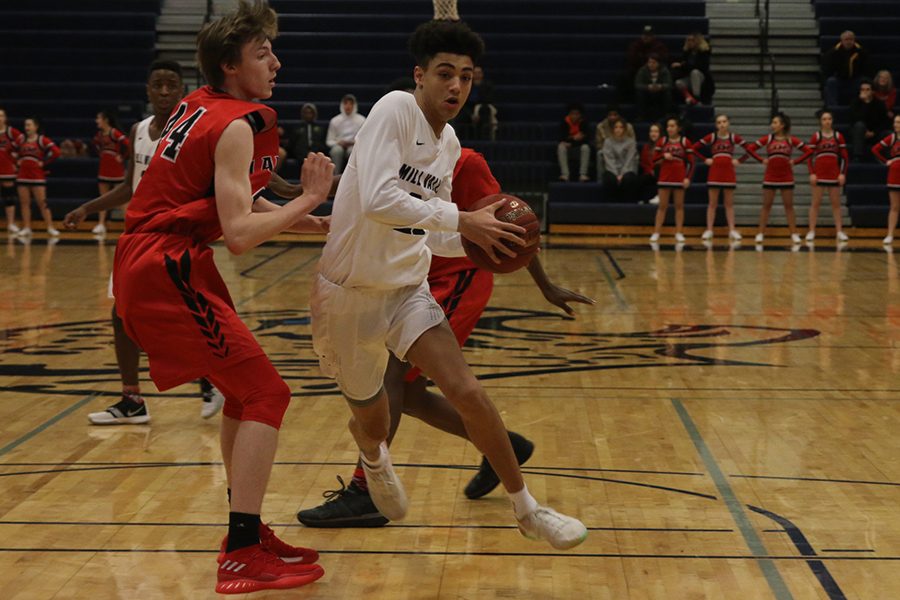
{"x": 177, "y": 136}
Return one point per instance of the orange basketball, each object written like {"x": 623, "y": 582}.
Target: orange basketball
{"x": 516, "y": 211}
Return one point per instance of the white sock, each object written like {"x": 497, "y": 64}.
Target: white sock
{"x": 523, "y": 503}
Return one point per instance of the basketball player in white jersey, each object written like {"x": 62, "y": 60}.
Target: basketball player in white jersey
{"x": 371, "y": 298}
{"x": 165, "y": 89}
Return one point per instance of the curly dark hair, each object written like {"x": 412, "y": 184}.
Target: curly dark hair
{"x": 454, "y": 37}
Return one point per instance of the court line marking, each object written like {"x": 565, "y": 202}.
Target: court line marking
{"x": 46, "y": 424}
{"x": 266, "y": 260}
{"x": 611, "y": 282}
{"x": 735, "y": 507}
{"x": 276, "y": 281}
{"x": 615, "y": 264}
{"x": 461, "y": 553}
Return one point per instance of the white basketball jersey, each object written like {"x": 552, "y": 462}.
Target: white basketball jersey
{"x": 144, "y": 149}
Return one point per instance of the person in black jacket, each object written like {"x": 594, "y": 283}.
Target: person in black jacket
{"x": 842, "y": 68}
{"x": 308, "y": 136}
{"x": 691, "y": 73}
{"x": 573, "y": 138}
{"x": 869, "y": 117}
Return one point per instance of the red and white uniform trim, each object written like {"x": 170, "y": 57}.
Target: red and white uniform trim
{"x": 829, "y": 157}
{"x": 891, "y": 144}
{"x": 674, "y": 171}
{"x": 7, "y": 158}
{"x": 721, "y": 172}
{"x": 780, "y": 168}
{"x": 33, "y": 158}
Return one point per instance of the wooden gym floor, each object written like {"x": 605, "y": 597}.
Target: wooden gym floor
{"x": 724, "y": 421}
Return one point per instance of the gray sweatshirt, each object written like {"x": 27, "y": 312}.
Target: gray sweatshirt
{"x": 620, "y": 156}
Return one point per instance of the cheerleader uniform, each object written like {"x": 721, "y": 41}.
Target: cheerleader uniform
{"x": 672, "y": 173}
{"x": 721, "y": 173}
{"x": 779, "y": 173}
{"x": 112, "y": 148}
{"x": 892, "y": 144}
{"x": 829, "y": 158}
{"x": 34, "y": 156}
{"x": 7, "y": 161}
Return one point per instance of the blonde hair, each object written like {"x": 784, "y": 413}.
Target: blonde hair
{"x": 220, "y": 41}
{"x": 890, "y": 81}
{"x": 701, "y": 45}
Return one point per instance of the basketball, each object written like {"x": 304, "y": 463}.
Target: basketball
{"x": 515, "y": 211}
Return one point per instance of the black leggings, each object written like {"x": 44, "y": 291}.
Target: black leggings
{"x": 620, "y": 191}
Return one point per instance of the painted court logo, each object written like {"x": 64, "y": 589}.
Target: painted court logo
{"x": 511, "y": 344}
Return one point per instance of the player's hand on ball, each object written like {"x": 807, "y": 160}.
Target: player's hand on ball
{"x": 74, "y": 218}
{"x": 316, "y": 176}
{"x": 483, "y": 228}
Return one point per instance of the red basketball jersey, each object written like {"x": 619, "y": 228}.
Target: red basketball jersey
{"x": 472, "y": 181}
{"x": 7, "y": 160}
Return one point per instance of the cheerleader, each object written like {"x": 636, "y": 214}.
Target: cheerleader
{"x": 891, "y": 144}
{"x": 34, "y": 152}
{"x": 675, "y": 155}
{"x": 8, "y": 137}
{"x": 721, "y": 177}
{"x": 779, "y": 173}
{"x": 827, "y": 169}
{"x": 112, "y": 148}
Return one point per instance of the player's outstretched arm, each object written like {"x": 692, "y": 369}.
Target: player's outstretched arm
{"x": 114, "y": 198}
{"x": 242, "y": 228}
{"x": 285, "y": 189}
{"x": 483, "y": 228}
{"x": 555, "y": 295}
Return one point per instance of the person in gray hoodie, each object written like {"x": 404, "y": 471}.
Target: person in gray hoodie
{"x": 342, "y": 132}
{"x": 619, "y": 176}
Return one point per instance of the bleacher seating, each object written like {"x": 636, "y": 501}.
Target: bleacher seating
{"x": 65, "y": 62}
{"x": 875, "y": 23}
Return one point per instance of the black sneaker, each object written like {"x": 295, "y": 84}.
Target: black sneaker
{"x": 350, "y": 506}
{"x": 130, "y": 410}
{"x": 486, "y": 479}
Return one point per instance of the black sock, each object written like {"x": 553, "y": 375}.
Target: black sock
{"x": 229, "y": 496}
{"x": 243, "y": 530}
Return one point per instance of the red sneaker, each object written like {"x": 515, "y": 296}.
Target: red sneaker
{"x": 283, "y": 550}
{"x": 254, "y": 568}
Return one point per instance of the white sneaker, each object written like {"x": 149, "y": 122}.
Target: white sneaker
{"x": 811, "y": 236}
{"x": 212, "y": 402}
{"x": 735, "y": 235}
{"x": 13, "y": 228}
{"x": 759, "y": 238}
{"x": 679, "y": 238}
{"x": 795, "y": 238}
{"x": 546, "y": 524}
{"x": 25, "y": 232}
{"x": 707, "y": 235}
{"x": 842, "y": 237}
{"x": 888, "y": 240}
{"x": 653, "y": 200}
{"x": 53, "y": 231}
{"x": 99, "y": 228}
{"x": 654, "y": 238}
{"x": 129, "y": 410}
{"x": 385, "y": 487}
{"x": 707, "y": 244}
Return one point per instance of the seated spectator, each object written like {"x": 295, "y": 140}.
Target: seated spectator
{"x": 604, "y": 131}
{"x": 342, "y": 130}
{"x": 636, "y": 57}
{"x": 868, "y": 118}
{"x": 619, "y": 175}
{"x": 479, "y": 110}
{"x": 884, "y": 90}
{"x": 73, "y": 148}
{"x": 649, "y": 169}
{"x": 691, "y": 73}
{"x": 842, "y": 68}
{"x": 308, "y": 136}
{"x": 572, "y": 140}
{"x": 653, "y": 90}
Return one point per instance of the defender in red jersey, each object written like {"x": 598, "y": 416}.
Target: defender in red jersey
{"x": 721, "y": 176}
{"x": 888, "y": 152}
{"x": 34, "y": 152}
{"x": 463, "y": 291}
{"x": 828, "y": 163}
{"x": 779, "y": 174}
{"x": 112, "y": 147}
{"x": 174, "y": 303}
{"x": 8, "y": 137}
{"x": 675, "y": 155}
